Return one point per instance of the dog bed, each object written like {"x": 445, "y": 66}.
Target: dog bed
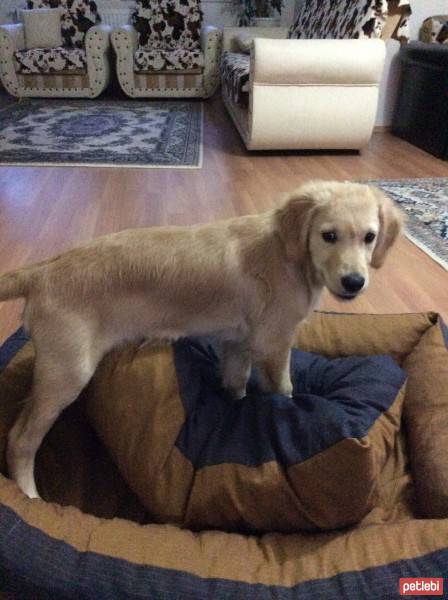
{"x": 265, "y": 463}
{"x": 95, "y": 538}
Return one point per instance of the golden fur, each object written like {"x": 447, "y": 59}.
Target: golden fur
{"x": 249, "y": 280}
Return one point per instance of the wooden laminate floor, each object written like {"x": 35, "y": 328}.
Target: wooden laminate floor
{"x": 46, "y": 210}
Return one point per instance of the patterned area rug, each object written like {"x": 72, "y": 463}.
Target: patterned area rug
{"x": 102, "y": 133}
{"x": 425, "y": 202}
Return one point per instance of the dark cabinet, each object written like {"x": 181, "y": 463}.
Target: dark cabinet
{"x": 421, "y": 111}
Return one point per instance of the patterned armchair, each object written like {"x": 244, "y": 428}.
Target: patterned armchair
{"x": 314, "y": 86}
{"x": 166, "y": 51}
{"x": 78, "y": 68}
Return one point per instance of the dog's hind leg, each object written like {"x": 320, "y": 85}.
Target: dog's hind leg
{"x": 59, "y": 377}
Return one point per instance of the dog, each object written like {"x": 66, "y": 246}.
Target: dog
{"x": 248, "y": 280}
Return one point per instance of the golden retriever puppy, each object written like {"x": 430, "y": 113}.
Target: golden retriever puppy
{"x": 249, "y": 280}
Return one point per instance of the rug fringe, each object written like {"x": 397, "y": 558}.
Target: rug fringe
{"x": 427, "y": 250}
{"x": 102, "y": 165}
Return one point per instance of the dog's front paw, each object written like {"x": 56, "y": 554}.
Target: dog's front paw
{"x": 285, "y": 389}
{"x": 236, "y": 393}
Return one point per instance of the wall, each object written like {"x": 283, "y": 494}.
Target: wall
{"x": 6, "y": 8}
{"x": 217, "y": 12}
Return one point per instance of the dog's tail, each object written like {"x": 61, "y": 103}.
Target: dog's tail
{"x": 16, "y": 284}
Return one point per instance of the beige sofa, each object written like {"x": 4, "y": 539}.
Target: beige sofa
{"x": 315, "y": 85}
{"x": 308, "y": 94}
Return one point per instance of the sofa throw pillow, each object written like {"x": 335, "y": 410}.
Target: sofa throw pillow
{"x": 42, "y": 27}
{"x": 266, "y": 463}
{"x": 244, "y": 42}
{"x": 78, "y": 16}
{"x": 435, "y": 30}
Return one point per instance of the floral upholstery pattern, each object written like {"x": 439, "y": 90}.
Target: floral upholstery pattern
{"x": 168, "y": 23}
{"x": 340, "y": 19}
{"x": 402, "y": 33}
{"x": 160, "y": 59}
{"x": 51, "y": 60}
{"x": 78, "y": 16}
{"x": 435, "y": 30}
{"x": 235, "y": 68}
{"x": 167, "y": 70}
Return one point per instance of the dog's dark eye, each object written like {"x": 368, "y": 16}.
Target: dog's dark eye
{"x": 369, "y": 237}
{"x": 329, "y": 236}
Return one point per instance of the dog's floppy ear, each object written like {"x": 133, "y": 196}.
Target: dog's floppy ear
{"x": 293, "y": 221}
{"x": 391, "y": 225}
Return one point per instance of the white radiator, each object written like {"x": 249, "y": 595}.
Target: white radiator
{"x": 115, "y": 16}
{"x": 109, "y": 16}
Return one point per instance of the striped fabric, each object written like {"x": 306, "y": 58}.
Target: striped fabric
{"x": 52, "y": 81}
{"x": 182, "y": 80}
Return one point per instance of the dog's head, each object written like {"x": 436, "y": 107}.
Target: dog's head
{"x": 339, "y": 229}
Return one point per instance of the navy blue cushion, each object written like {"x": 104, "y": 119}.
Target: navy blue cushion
{"x": 12, "y": 345}
{"x": 333, "y": 400}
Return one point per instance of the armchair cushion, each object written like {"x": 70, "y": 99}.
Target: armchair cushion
{"x": 160, "y": 59}
{"x": 51, "y": 60}
{"x": 235, "y": 68}
{"x": 168, "y": 23}
{"x": 78, "y": 16}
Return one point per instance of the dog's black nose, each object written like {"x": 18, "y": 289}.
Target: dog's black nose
{"x": 353, "y": 283}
